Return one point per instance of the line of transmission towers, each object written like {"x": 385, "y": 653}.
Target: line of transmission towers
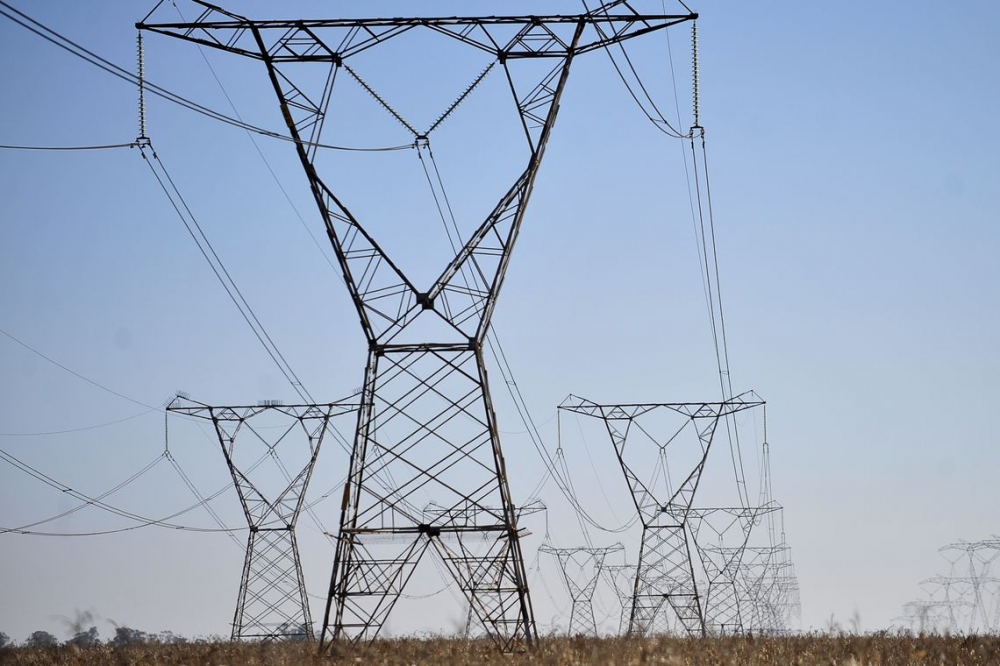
{"x": 427, "y": 477}
{"x": 700, "y": 569}
{"x": 966, "y": 599}
{"x": 426, "y": 431}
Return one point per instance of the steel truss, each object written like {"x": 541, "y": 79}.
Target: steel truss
{"x": 581, "y": 568}
{"x": 621, "y": 579}
{"x": 426, "y": 424}
{"x": 721, "y": 554}
{"x": 969, "y": 595}
{"x": 272, "y": 602}
{"x": 665, "y": 577}
{"x": 769, "y": 589}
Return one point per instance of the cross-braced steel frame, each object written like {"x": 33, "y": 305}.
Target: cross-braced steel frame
{"x": 272, "y": 602}
{"x": 720, "y": 537}
{"x": 769, "y": 589}
{"x": 581, "y": 569}
{"x": 621, "y": 579}
{"x": 426, "y": 424}
{"x": 665, "y": 577}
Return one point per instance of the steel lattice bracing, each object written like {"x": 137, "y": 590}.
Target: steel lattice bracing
{"x": 768, "y": 589}
{"x": 720, "y": 537}
{"x": 621, "y": 579}
{"x": 967, "y": 599}
{"x": 426, "y": 427}
{"x": 666, "y": 589}
{"x": 272, "y": 601}
{"x": 581, "y": 569}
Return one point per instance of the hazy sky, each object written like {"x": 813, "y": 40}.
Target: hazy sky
{"x": 856, "y": 191}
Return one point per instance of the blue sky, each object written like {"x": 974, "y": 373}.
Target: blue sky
{"x": 856, "y": 191}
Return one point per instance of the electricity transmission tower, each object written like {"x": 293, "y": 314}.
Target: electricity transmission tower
{"x": 970, "y": 571}
{"x": 720, "y": 537}
{"x": 426, "y": 427}
{"x": 769, "y": 589}
{"x": 665, "y": 577}
{"x": 967, "y": 599}
{"x": 621, "y": 578}
{"x": 272, "y": 602}
{"x": 581, "y": 569}
{"x": 924, "y": 616}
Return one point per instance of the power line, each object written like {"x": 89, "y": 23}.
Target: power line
{"x": 75, "y": 373}
{"x": 93, "y": 501}
{"x": 81, "y": 429}
{"x": 65, "y": 148}
{"x": 63, "y": 42}
{"x": 193, "y": 227}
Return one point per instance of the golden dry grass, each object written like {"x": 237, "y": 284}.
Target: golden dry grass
{"x": 845, "y": 650}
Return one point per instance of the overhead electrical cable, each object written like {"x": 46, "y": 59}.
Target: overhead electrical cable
{"x": 50, "y": 35}
{"x": 75, "y": 373}
{"x": 194, "y": 228}
{"x": 133, "y": 144}
{"x": 716, "y": 313}
{"x": 94, "y": 501}
{"x": 81, "y": 429}
{"x": 100, "y": 497}
{"x": 654, "y": 115}
{"x": 48, "y": 480}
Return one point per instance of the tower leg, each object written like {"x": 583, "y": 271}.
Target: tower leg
{"x": 665, "y": 581}
{"x": 427, "y": 437}
{"x": 272, "y": 601}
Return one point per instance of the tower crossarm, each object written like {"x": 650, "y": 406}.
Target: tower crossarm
{"x": 263, "y": 509}
{"x": 656, "y": 504}
{"x": 333, "y": 40}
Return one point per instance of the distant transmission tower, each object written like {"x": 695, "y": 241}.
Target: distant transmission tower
{"x": 426, "y": 425}
{"x": 769, "y": 590}
{"x": 621, "y": 578}
{"x": 970, "y": 574}
{"x": 665, "y": 586}
{"x": 272, "y": 601}
{"x": 581, "y": 569}
{"x": 720, "y": 538}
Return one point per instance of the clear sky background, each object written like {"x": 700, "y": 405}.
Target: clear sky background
{"x": 855, "y": 164}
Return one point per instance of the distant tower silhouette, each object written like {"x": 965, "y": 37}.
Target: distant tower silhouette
{"x": 665, "y": 589}
{"x": 272, "y": 600}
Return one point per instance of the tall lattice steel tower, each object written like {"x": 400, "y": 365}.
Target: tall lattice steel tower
{"x": 272, "y": 602}
{"x": 426, "y": 427}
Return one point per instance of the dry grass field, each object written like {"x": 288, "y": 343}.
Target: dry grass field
{"x": 843, "y": 650}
